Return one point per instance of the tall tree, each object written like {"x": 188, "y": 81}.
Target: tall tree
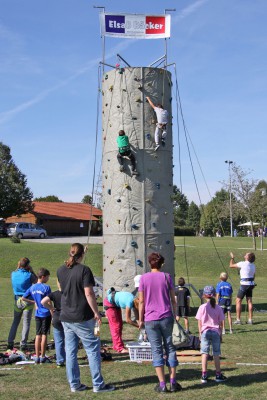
{"x": 49, "y": 198}
{"x": 87, "y": 199}
{"x": 15, "y": 196}
{"x": 193, "y": 217}
{"x": 180, "y": 207}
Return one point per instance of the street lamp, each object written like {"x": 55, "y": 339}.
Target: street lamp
{"x": 230, "y": 195}
{"x": 263, "y": 193}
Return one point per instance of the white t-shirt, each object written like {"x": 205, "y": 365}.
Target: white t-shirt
{"x": 247, "y": 270}
{"x": 162, "y": 115}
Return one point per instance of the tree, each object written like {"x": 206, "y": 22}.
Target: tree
{"x": 49, "y": 198}
{"x": 87, "y": 199}
{"x": 15, "y": 196}
{"x": 193, "y": 217}
{"x": 180, "y": 207}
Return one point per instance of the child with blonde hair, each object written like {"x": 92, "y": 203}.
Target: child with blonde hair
{"x": 224, "y": 293}
{"x": 210, "y": 317}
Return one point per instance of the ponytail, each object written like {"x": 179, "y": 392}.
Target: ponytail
{"x": 76, "y": 252}
{"x": 212, "y": 302}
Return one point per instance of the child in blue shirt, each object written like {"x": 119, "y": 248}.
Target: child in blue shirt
{"x": 42, "y": 315}
{"x": 224, "y": 293}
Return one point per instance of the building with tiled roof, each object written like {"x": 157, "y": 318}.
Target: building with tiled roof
{"x": 60, "y": 218}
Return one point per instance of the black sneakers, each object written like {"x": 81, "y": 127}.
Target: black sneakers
{"x": 204, "y": 378}
{"x": 175, "y": 387}
{"x": 160, "y": 389}
{"x": 220, "y": 378}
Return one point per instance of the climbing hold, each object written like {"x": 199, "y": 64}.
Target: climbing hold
{"x": 109, "y": 191}
{"x": 106, "y": 104}
{"x": 148, "y": 136}
{"x": 138, "y": 262}
{"x": 158, "y": 185}
{"x": 134, "y": 226}
{"x": 102, "y": 92}
{"x": 147, "y": 200}
{"x": 118, "y": 221}
{"x": 134, "y": 118}
{"x": 118, "y": 106}
{"x": 106, "y": 176}
{"x": 127, "y": 186}
{"x": 106, "y": 77}
{"x": 170, "y": 99}
{"x": 138, "y": 100}
{"x": 140, "y": 87}
{"x": 110, "y": 88}
{"x": 165, "y": 212}
{"x": 118, "y": 200}
{"x": 149, "y": 84}
{"x": 154, "y": 224}
{"x": 108, "y": 159}
{"x": 111, "y": 262}
{"x": 110, "y": 125}
{"x": 104, "y": 138}
{"x": 104, "y": 269}
{"x": 168, "y": 242}
{"x": 123, "y": 251}
{"x": 133, "y": 243}
{"x": 149, "y": 245}
{"x": 135, "y": 209}
{"x": 124, "y": 90}
{"x": 126, "y": 284}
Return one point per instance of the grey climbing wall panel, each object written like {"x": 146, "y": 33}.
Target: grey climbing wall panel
{"x": 137, "y": 210}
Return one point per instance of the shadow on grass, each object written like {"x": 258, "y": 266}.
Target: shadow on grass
{"x": 241, "y": 380}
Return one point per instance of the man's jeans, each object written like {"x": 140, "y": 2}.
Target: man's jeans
{"x": 59, "y": 338}
{"x": 85, "y": 332}
{"x": 158, "y": 331}
{"x": 27, "y": 316}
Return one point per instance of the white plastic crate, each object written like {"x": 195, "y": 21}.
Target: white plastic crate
{"x": 139, "y": 352}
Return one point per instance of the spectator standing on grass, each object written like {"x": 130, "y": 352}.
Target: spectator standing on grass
{"x": 210, "y": 317}
{"x": 79, "y": 312}
{"x": 182, "y": 297}
{"x": 224, "y": 293}
{"x": 42, "y": 316}
{"x": 247, "y": 275}
{"x": 21, "y": 279}
{"x": 53, "y": 303}
{"x": 157, "y": 308}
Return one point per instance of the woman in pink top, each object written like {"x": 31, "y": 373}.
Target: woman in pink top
{"x": 210, "y": 317}
{"x": 156, "y": 301}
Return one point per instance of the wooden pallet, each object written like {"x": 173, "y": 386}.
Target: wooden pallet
{"x": 188, "y": 355}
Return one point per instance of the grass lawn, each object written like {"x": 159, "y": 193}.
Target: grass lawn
{"x": 199, "y": 261}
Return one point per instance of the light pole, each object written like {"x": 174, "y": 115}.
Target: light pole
{"x": 263, "y": 193}
{"x": 230, "y": 195}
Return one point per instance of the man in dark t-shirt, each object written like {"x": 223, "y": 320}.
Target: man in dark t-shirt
{"x": 79, "y": 312}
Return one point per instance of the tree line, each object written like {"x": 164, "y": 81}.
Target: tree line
{"x": 248, "y": 200}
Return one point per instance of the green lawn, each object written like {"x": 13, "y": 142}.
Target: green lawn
{"x": 199, "y": 261}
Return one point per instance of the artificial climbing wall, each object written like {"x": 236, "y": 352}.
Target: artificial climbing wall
{"x": 137, "y": 210}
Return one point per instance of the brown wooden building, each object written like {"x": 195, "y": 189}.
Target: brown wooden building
{"x": 63, "y": 219}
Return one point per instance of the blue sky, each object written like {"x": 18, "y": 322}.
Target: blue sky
{"x": 50, "y": 50}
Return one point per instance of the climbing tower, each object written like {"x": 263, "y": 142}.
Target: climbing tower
{"x": 137, "y": 210}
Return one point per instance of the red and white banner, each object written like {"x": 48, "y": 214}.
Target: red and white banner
{"x": 135, "y": 26}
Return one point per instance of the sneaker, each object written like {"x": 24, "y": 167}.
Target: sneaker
{"x": 134, "y": 172}
{"x": 80, "y": 388}
{"x": 45, "y": 360}
{"x": 36, "y": 359}
{"x": 163, "y": 142}
{"x": 61, "y": 365}
{"x": 250, "y": 322}
{"x": 237, "y": 322}
{"x": 230, "y": 331}
{"x": 23, "y": 347}
{"x": 10, "y": 346}
{"x": 204, "y": 378}
{"x": 223, "y": 332}
{"x": 157, "y": 147}
{"x": 220, "y": 378}
{"x": 104, "y": 388}
{"x": 160, "y": 389}
{"x": 121, "y": 168}
{"x": 175, "y": 387}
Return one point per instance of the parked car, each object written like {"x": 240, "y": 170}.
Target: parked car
{"x": 26, "y": 230}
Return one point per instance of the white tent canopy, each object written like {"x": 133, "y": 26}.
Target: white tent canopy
{"x": 249, "y": 224}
